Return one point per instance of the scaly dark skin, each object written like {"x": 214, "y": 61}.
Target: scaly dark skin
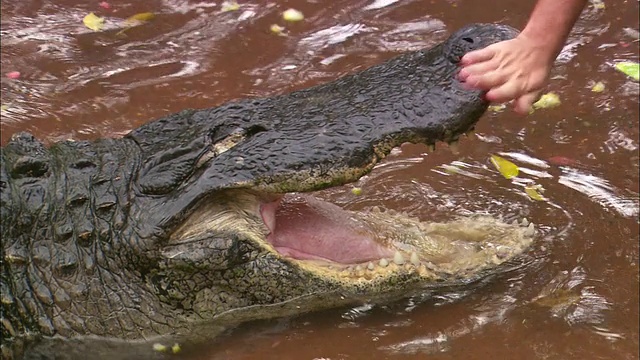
{"x": 163, "y": 235}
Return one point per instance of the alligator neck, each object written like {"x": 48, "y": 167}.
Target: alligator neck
{"x": 63, "y": 211}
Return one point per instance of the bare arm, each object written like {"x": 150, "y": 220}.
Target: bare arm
{"x": 518, "y": 69}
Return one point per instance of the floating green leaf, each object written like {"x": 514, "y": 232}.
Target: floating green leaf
{"x": 93, "y": 22}
{"x": 629, "y": 68}
{"x": 505, "y": 167}
{"x": 356, "y": 191}
{"x": 546, "y": 101}
{"x": 176, "y": 348}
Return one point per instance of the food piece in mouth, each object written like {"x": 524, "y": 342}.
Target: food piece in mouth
{"x": 306, "y": 228}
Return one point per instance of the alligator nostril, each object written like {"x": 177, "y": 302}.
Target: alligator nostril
{"x": 469, "y": 40}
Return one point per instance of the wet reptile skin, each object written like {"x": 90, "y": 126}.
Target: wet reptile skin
{"x": 85, "y": 225}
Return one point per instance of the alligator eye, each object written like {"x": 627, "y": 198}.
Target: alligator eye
{"x": 469, "y": 40}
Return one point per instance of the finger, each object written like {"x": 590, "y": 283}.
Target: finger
{"x": 487, "y": 81}
{"x": 478, "y": 56}
{"x": 478, "y": 69}
{"x": 523, "y": 104}
{"x": 503, "y": 93}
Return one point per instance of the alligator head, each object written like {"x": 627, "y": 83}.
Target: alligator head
{"x": 211, "y": 210}
{"x": 224, "y": 189}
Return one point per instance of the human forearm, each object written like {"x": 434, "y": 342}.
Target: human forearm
{"x": 550, "y": 23}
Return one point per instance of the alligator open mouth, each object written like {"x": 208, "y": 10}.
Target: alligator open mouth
{"x": 322, "y": 237}
{"x": 307, "y": 229}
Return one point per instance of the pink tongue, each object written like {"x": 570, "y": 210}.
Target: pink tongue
{"x": 305, "y": 228}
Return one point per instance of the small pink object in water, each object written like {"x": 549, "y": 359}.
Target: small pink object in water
{"x": 13, "y": 74}
{"x": 105, "y": 5}
{"x": 561, "y": 160}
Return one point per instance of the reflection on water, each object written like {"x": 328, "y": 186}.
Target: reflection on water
{"x": 599, "y": 190}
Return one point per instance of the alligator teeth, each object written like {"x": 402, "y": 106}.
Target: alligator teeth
{"x": 514, "y": 222}
{"x": 398, "y": 258}
{"x": 431, "y": 147}
{"x": 358, "y": 268}
{"x": 370, "y": 266}
{"x": 376, "y": 210}
{"x": 453, "y": 146}
{"x": 383, "y": 262}
{"x": 414, "y": 259}
{"x": 524, "y": 222}
{"x": 530, "y": 230}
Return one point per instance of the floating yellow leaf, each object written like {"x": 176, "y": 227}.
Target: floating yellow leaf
{"x": 548, "y": 100}
{"x": 598, "y": 4}
{"x": 558, "y": 298}
{"x": 450, "y": 169}
{"x": 230, "y": 6}
{"x": 356, "y": 191}
{"x": 598, "y": 87}
{"x": 505, "y": 167}
{"x": 93, "y": 22}
{"x": 4, "y": 107}
{"x": 176, "y": 348}
{"x": 497, "y": 108}
{"x": 159, "y": 347}
{"x": 292, "y": 15}
{"x": 534, "y": 192}
{"x": 277, "y": 29}
{"x": 629, "y": 68}
{"x": 139, "y": 18}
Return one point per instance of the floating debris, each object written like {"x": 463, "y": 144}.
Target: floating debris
{"x": 292, "y": 15}
{"x": 230, "y": 6}
{"x": 277, "y": 29}
{"x": 12, "y": 74}
{"x": 505, "y": 167}
{"x": 93, "y": 22}
{"x": 629, "y": 68}
{"x": 598, "y": 87}
{"x": 547, "y": 101}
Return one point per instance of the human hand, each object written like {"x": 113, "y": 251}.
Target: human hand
{"x": 514, "y": 69}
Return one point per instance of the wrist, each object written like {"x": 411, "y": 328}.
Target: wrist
{"x": 541, "y": 45}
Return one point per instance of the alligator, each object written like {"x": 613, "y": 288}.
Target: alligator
{"x": 144, "y": 245}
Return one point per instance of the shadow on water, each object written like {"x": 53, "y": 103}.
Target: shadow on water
{"x": 577, "y": 300}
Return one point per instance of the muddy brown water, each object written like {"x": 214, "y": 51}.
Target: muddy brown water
{"x": 577, "y": 300}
